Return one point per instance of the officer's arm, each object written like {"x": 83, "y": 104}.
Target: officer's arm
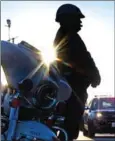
{"x": 84, "y": 63}
{"x": 91, "y": 69}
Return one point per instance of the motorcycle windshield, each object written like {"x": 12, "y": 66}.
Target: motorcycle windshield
{"x": 18, "y": 61}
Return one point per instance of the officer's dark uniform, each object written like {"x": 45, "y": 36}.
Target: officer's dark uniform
{"x": 80, "y": 73}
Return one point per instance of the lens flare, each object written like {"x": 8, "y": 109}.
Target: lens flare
{"x": 48, "y": 56}
{"x": 3, "y": 78}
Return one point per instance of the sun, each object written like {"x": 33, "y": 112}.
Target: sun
{"x": 48, "y": 55}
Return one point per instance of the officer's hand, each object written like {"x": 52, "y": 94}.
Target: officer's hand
{"x": 94, "y": 85}
{"x": 96, "y": 81}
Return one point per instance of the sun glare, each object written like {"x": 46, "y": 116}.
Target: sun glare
{"x": 3, "y": 78}
{"x": 48, "y": 55}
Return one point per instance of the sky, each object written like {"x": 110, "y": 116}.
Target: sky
{"x": 34, "y": 22}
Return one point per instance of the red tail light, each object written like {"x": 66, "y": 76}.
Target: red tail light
{"x": 15, "y": 103}
{"x": 49, "y": 122}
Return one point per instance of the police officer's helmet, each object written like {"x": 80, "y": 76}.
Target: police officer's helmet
{"x": 68, "y": 9}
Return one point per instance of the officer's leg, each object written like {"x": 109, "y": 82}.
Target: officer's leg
{"x": 74, "y": 111}
{"x": 83, "y": 98}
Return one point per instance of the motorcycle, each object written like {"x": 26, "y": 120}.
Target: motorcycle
{"x": 29, "y": 104}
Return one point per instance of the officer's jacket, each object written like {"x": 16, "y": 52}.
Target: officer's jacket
{"x": 75, "y": 59}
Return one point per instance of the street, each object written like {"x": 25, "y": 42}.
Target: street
{"x": 98, "y": 137}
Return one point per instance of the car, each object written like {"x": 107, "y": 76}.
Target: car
{"x": 99, "y": 116}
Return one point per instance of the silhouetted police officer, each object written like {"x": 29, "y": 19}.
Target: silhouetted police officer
{"x": 77, "y": 65}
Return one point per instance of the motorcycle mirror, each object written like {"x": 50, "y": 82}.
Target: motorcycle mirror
{"x": 25, "y": 85}
{"x": 64, "y": 91}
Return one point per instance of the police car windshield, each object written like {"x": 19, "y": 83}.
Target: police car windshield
{"x": 107, "y": 103}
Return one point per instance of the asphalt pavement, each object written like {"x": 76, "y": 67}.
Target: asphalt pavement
{"x": 98, "y": 137}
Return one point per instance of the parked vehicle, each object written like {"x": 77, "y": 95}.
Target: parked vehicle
{"x": 99, "y": 116}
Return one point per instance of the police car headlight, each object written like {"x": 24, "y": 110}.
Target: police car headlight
{"x": 99, "y": 115}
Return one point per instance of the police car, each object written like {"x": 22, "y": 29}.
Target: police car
{"x": 99, "y": 116}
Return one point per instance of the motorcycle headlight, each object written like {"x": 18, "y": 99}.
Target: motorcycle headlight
{"x": 46, "y": 95}
{"x": 99, "y": 115}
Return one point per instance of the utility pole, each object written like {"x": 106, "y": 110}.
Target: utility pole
{"x": 9, "y": 26}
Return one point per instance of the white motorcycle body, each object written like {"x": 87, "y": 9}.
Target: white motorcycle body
{"x": 27, "y": 130}
{"x": 13, "y": 55}
{"x": 33, "y": 129}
